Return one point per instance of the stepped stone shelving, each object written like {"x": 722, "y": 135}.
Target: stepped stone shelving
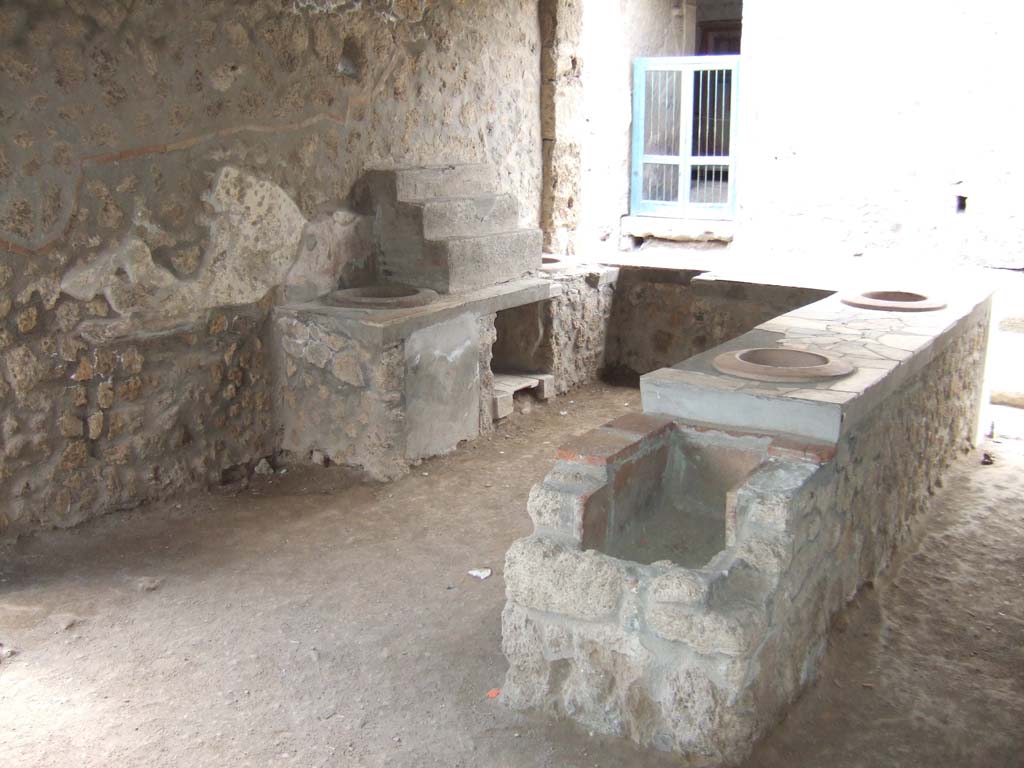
{"x": 448, "y": 228}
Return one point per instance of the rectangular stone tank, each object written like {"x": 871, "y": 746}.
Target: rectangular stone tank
{"x": 641, "y": 602}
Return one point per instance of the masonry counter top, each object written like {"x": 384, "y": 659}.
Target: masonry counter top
{"x": 885, "y": 348}
{"x": 389, "y": 326}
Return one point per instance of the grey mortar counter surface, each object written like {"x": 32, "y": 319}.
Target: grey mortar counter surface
{"x": 685, "y": 563}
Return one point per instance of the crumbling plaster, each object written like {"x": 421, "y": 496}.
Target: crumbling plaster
{"x": 169, "y": 170}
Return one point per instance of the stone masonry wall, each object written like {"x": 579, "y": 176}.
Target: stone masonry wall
{"x": 662, "y": 317}
{"x": 564, "y": 336}
{"x": 703, "y": 660}
{"x": 587, "y": 53}
{"x": 96, "y": 428}
{"x": 133, "y": 138}
{"x": 340, "y": 398}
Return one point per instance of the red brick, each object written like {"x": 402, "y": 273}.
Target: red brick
{"x": 783, "y": 447}
{"x": 598, "y": 446}
{"x": 641, "y": 424}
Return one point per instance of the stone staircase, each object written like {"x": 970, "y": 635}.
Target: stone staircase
{"x": 446, "y": 227}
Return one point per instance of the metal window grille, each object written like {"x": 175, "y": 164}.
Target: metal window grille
{"x": 683, "y": 135}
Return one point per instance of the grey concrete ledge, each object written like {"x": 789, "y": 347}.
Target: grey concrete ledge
{"x": 385, "y": 327}
{"x": 680, "y": 230}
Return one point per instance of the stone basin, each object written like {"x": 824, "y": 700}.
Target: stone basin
{"x": 779, "y": 364}
{"x": 893, "y": 301}
{"x": 673, "y": 503}
{"x": 382, "y": 296}
{"x": 553, "y": 264}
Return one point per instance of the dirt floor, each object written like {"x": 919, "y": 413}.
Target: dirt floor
{"x": 309, "y": 621}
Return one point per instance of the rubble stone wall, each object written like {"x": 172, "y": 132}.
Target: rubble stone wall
{"x": 92, "y": 428}
{"x": 339, "y": 398}
{"x": 662, "y": 317}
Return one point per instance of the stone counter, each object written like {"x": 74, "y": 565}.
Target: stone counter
{"x": 886, "y": 350}
{"x": 381, "y": 389}
{"x": 681, "y": 577}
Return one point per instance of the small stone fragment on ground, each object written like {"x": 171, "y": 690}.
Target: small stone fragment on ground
{"x": 64, "y": 621}
{"x": 264, "y": 468}
{"x": 148, "y": 583}
{"x": 480, "y": 573}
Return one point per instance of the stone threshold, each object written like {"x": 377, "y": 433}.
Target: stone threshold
{"x": 678, "y": 230}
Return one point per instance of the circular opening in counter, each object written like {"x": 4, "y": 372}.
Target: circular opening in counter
{"x": 783, "y": 358}
{"x": 383, "y": 292}
{"x": 383, "y": 296}
{"x": 893, "y": 301}
{"x": 780, "y": 364}
{"x": 895, "y": 296}
{"x": 552, "y": 264}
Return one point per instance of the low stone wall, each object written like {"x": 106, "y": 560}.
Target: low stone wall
{"x": 662, "y": 316}
{"x": 377, "y": 407}
{"x": 702, "y": 660}
{"x": 341, "y": 399}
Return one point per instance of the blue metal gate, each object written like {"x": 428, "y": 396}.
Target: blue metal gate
{"x": 683, "y": 136}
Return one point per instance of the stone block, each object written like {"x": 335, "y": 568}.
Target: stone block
{"x": 641, "y": 424}
{"x": 767, "y": 495}
{"x": 502, "y": 404}
{"x": 692, "y": 718}
{"x": 679, "y": 585}
{"x": 71, "y": 425}
{"x": 444, "y": 181}
{"x": 545, "y": 386}
{"x": 346, "y": 368}
{"x": 548, "y": 575}
{"x": 599, "y": 447}
{"x": 676, "y": 393}
{"x": 443, "y": 218}
{"x": 442, "y": 386}
{"x": 475, "y": 262}
{"x": 731, "y": 633}
{"x": 559, "y": 503}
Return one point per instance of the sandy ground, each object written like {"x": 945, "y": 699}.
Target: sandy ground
{"x": 308, "y": 621}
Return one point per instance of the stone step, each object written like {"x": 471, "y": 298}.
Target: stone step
{"x": 439, "y": 181}
{"x": 474, "y": 262}
{"x": 445, "y": 218}
{"x": 506, "y": 385}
